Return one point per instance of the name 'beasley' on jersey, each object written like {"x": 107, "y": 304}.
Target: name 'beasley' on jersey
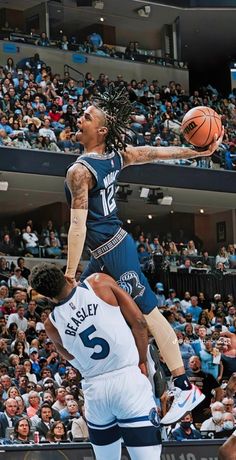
{"x": 86, "y": 326}
{"x": 102, "y": 221}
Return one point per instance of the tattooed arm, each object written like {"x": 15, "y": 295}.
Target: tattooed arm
{"x": 79, "y": 181}
{"x": 147, "y": 154}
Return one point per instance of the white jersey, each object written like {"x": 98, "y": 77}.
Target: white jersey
{"x": 94, "y": 332}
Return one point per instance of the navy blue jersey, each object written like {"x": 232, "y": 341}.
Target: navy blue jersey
{"x": 102, "y": 220}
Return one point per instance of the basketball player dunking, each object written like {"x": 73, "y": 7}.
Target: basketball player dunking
{"x": 90, "y": 187}
{"x": 91, "y": 322}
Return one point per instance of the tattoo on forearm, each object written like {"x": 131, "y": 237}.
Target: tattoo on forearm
{"x": 148, "y": 154}
{"x": 80, "y": 181}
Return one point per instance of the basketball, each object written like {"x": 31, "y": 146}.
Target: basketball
{"x": 199, "y": 126}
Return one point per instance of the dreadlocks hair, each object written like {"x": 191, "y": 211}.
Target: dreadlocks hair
{"x": 117, "y": 109}
{"x": 47, "y": 279}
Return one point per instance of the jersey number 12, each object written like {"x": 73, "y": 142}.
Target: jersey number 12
{"x": 108, "y": 201}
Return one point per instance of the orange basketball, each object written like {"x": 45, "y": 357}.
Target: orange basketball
{"x": 199, "y": 126}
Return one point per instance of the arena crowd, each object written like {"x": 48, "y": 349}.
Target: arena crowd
{"x": 39, "y": 109}
{"x": 39, "y": 390}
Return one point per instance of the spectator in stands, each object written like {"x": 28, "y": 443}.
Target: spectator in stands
{"x": 46, "y": 131}
{"x": 19, "y": 350}
{"x": 8, "y": 417}
{"x": 194, "y": 309}
{"x": 34, "y": 403}
{"x": 22, "y": 431}
{"x": 160, "y": 295}
{"x": 186, "y": 349}
{"x": 43, "y": 40}
{"x": 156, "y": 246}
{"x": 53, "y": 246}
{"x": 64, "y": 43}
{"x": 186, "y": 302}
{"x": 18, "y": 318}
{"x": 185, "y": 430}
{"x": 228, "y": 426}
{"x": 17, "y": 280}
{"x": 214, "y": 423}
{"x": 172, "y": 296}
{"x": 211, "y": 359}
{"x": 24, "y": 270}
{"x": 45, "y": 416}
{"x": 57, "y": 432}
{"x": 206, "y": 382}
{"x": 7, "y": 246}
{"x": 231, "y": 255}
{"x": 79, "y": 428}
{"x": 28, "y": 371}
{"x": 222, "y": 257}
{"x": 60, "y": 402}
{"x": 30, "y": 240}
{"x": 228, "y": 404}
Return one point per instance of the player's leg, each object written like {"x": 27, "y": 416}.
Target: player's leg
{"x": 104, "y": 432}
{"x": 132, "y": 403}
{"x": 130, "y": 277}
{"x": 108, "y": 452}
{"x": 141, "y": 453}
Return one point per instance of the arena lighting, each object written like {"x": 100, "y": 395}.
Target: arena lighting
{"x": 144, "y": 12}
{"x": 3, "y": 186}
{"x": 166, "y": 201}
{"x": 98, "y": 4}
{"x": 122, "y": 193}
{"x": 144, "y": 192}
{"x": 154, "y": 196}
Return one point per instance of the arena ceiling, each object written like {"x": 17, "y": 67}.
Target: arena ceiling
{"x": 208, "y": 35}
{"x": 27, "y": 192}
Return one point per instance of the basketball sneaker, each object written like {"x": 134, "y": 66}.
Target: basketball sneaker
{"x": 184, "y": 401}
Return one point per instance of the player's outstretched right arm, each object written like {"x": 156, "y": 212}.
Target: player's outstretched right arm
{"x": 78, "y": 180}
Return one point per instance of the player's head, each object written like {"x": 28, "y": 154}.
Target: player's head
{"x": 115, "y": 105}
{"x": 48, "y": 280}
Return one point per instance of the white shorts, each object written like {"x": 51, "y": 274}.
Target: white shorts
{"x": 117, "y": 404}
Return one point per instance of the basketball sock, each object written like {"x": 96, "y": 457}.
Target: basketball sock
{"x": 182, "y": 382}
{"x": 165, "y": 338}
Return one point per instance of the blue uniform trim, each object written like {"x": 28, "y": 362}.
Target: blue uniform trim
{"x": 53, "y": 316}
{"x": 144, "y": 418}
{"x": 89, "y": 167}
{"x": 101, "y": 426}
{"x": 67, "y": 298}
{"x": 83, "y": 285}
{"x": 104, "y": 437}
{"x": 141, "y": 436}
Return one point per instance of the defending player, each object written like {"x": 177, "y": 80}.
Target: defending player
{"x": 91, "y": 322}
{"x": 90, "y": 186}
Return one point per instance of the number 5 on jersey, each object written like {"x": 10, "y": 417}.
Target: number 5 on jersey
{"x": 92, "y": 342}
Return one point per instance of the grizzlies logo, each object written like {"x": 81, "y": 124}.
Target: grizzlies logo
{"x": 129, "y": 281}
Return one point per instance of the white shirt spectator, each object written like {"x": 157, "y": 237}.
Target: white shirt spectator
{"x": 210, "y": 425}
{"x": 21, "y": 322}
{"x": 47, "y": 132}
{"x": 30, "y": 240}
{"x": 18, "y": 281}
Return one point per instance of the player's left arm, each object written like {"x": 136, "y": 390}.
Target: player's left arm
{"x": 53, "y": 334}
{"x": 147, "y": 154}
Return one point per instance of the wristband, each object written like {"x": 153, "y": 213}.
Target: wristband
{"x": 234, "y": 433}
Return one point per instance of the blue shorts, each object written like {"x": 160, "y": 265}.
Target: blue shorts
{"x": 123, "y": 265}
